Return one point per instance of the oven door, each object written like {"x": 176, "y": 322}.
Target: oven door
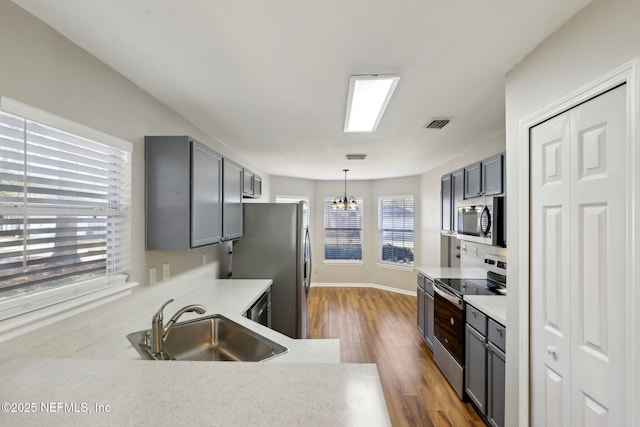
{"x": 449, "y": 322}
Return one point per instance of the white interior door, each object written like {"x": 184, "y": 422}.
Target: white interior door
{"x": 578, "y": 265}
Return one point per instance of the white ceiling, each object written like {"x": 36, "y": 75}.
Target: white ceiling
{"x": 270, "y": 78}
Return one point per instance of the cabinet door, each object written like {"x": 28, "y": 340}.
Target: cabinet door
{"x": 247, "y": 183}
{"x": 206, "y": 195}
{"x": 492, "y": 175}
{"x": 168, "y": 192}
{"x": 421, "y": 311}
{"x": 257, "y": 186}
{"x": 445, "y": 200}
{"x": 495, "y": 386}
{"x": 457, "y": 178}
{"x": 475, "y": 367}
{"x": 472, "y": 180}
{"x": 232, "y": 196}
{"x": 428, "y": 321}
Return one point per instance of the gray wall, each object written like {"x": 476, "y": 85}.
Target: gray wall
{"x": 42, "y": 68}
{"x": 368, "y": 271}
{"x": 600, "y": 38}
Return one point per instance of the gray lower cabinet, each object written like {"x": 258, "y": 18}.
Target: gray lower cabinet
{"x": 495, "y": 385}
{"x": 485, "y": 365}
{"x": 183, "y": 193}
{"x": 429, "y": 326}
{"x": 476, "y": 367}
{"x": 422, "y": 305}
{"x": 425, "y": 309}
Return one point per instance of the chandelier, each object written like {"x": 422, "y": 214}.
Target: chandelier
{"x": 345, "y": 202}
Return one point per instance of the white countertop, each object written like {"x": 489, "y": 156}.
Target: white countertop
{"x": 101, "y": 333}
{"x": 453, "y": 273}
{"x": 191, "y": 393}
{"x": 494, "y": 306}
{"x": 88, "y": 359}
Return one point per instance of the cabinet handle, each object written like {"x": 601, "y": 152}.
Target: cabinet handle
{"x": 499, "y": 331}
{"x": 552, "y": 350}
{"x": 453, "y": 322}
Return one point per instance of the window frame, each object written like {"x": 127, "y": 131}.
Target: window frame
{"x": 327, "y": 209}
{"x": 26, "y": 311}
{"x": 381, "y": 230}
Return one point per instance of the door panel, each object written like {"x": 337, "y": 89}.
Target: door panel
{"x": 550, "y": 321}
{"x": 598, "y": 275}
{"x": 578, "y": 268}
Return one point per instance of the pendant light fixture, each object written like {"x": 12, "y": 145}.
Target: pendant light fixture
{"x": 345, "y": 202}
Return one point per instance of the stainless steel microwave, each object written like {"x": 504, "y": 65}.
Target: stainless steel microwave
{"x": 482, "y": 220}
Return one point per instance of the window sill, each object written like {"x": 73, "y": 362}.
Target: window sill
{"x": 342, "y": 262}
{"x": 29, "y": 312}
{"x": 395, "y": 266}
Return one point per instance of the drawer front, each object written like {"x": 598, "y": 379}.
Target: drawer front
{"x": 449, "y": 326}
{"x": 497, "y": 334}
{"x": 477, "y": 319}
{"x": 420, "y": 281}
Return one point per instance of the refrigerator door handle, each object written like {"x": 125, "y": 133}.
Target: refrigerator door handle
{"x": 307, "y": 261}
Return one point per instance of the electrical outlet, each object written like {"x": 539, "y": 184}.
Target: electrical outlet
{"x": 204, "y": 259}
{"x": 153, "y": 275}
{"x": 166, "y": 272}
{"x": 475, "y": 251}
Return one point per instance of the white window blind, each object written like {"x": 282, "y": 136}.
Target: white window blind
{"x": 64, "y": 207}
{"x": 396, "y": 229}
{"x": 342, "y": 232}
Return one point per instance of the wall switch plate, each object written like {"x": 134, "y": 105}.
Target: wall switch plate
{"x": 204, "y": 259}
{"x": 166, "y": 272}
{"x": 475, "y": 251}
{"x": 153, "y": 275}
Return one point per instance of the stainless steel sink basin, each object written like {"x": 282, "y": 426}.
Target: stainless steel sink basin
{"x": 212, "y": 338}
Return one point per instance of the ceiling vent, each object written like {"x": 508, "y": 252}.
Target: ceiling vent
{"x": 356, "y": 156}
{"x": 437, "y": 123}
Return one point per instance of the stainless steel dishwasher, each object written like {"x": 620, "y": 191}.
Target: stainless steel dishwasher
{"x": 260, "y": 311}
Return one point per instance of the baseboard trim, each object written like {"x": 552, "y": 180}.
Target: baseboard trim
{"x": 364, "y": 285}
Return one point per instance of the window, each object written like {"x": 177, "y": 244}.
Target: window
{"x": 395, "y": 226}
{"x": 297, "y": 199}
{"x": 64, "y": 210}
{"x": 342, "y": 232}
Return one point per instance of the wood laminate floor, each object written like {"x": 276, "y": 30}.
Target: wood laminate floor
{"x": 376, "y": 326}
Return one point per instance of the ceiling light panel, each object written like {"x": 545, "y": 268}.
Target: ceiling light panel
{"x": 368, "y": 97}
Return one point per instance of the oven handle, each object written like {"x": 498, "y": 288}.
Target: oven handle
{"x": 446, "y": 295}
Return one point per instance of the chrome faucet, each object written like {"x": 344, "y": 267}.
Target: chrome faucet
{"x": 159, "y": 332}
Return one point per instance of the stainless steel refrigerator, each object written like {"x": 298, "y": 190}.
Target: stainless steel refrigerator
{"x": 275, "y": 246}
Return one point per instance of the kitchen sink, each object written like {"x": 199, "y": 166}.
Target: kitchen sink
{"x": 211, "y": 338}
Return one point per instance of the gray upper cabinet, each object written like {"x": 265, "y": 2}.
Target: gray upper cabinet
{"x": 457, "y": 184}
{"x": 446, "y": 206}
{"x": 473, "y": 180}
{"x": 484, "y": 178}
{"x": 252, "y": 184}
{"x": 492, "y": 175}
{"x": 183, "y": 193}
{"x": 232, "y": 200}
